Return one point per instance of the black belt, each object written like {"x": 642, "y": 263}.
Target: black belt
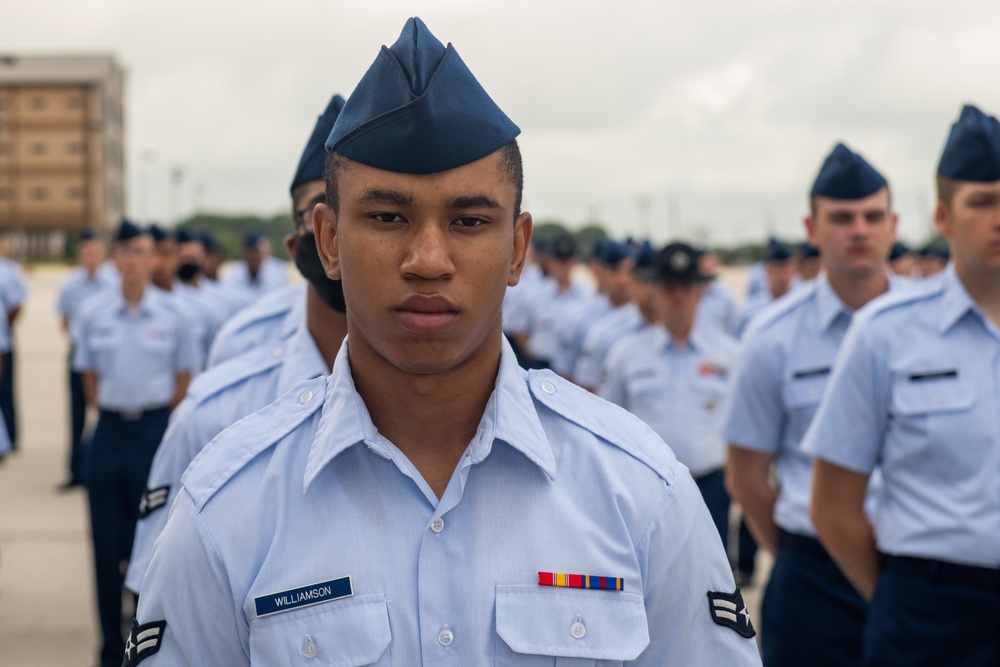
{"x": 802, "y": 544}
{"x": 133, "y": 415}
{"x": 939, "y": 571}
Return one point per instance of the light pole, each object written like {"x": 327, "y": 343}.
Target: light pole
{"x": 146, "y": 157}
{"x": 176, "y": 178}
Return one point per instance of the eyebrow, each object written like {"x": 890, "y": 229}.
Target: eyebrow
{"x": 473, "y": 201}
{"x": 377, "y": 196}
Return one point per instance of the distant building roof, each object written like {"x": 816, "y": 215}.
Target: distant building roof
{"x": 17, "y": 69}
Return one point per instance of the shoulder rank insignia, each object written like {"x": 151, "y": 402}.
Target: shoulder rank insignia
{"x": 563, "y": 580}
{"x": 152, "y": 500}
{"x": 729, "y": 610}
{"x": 143, "y": 641}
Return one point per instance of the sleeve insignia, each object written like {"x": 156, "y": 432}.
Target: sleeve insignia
{"x": 152, "y": 500}
{"x": 729, "y": 610}
{"x": 143, "y": 641}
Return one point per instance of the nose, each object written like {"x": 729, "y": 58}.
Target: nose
{"x": 428, "y": 254}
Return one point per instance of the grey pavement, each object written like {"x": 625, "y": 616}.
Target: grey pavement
{"x": 47, "y": 605}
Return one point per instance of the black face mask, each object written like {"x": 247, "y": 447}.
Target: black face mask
{"x": 188, "y": 271}
{"x": 309, "y": 265}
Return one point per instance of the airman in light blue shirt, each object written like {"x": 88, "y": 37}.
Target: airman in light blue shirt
{"x": 423, "y": 504}
{"x": 273, "y": 317}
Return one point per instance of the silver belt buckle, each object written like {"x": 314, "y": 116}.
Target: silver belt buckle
{"x": 131, "y": 415}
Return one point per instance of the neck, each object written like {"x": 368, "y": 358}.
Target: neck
{"x": 133, "y": 292}
{"x": 778, "y": 293}
{"x": 855, "y": 290}
{"x": 679, "y": 327}
{"x": 983, "y": 288}
{"x": 432, "y": 417}
{"x": 326, "y": 326}
{"x": 564, "y": 284}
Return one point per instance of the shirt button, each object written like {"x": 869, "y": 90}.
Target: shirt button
{"x": 446, "y": 637}
{"x": 305, "y": 397}
{"x": 309, "y": 649}
{"x": 277, "y": 352}
{"x": 437, "y": 525}
{"x": 548, "y": 388}
{"x": 578, "y": 630}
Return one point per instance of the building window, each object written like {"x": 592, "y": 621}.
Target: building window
{"x": 77, "y": 193}
{"x": 74, "y": 102}
{"x": 37, "y": 103}
{"x": 75, "y": 147}
{"x": 39, "y": 193}
{"x": 38, "y": 148}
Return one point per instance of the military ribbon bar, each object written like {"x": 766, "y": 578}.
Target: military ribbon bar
{"x": 563, "y": 580}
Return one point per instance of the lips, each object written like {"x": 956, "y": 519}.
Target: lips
{"x": 426, "y": 314}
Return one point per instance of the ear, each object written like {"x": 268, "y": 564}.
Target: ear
{"x": 291, "y": 242}
{"x": 522, "y": 242}
{"x": 942, "y": 219}
{"x": 810, "y": 224}
{"x": 894, "y": 222}
{"x": 325, "y": 229}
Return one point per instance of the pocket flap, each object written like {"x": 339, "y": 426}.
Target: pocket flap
{"x": 343, "y": 633}
{"x": 804, "y": 391}
{"x": 543, "y": 621}
{"x": 951, "y": 394}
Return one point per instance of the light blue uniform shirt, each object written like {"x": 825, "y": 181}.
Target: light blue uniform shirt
{"x": 13, "y": 288}
{"x": 136, "y": 355}
{"x": 678, "y": 392}
{"x": 273, "y": 317}
{"x": 216, "y": 400}
{"x": 575, "y": 320}
{"x": 78, "y": 287}
{"x": 782, "y": 368}
{"x": 916, "y": 391}
{"x": 718, "y": 308}
{"x": 516, "y": 298}
{"x": 273, "y": 273}
{"x": 307, "y": 491}
{"x": 589, "y": 368}
{"x": 544, "y": 311}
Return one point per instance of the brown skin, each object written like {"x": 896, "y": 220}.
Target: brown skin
{"x": 134, "y": 259}
{"x": 779, "y": 277}
{"x": 854, "y": 237}
{"x": 327, "y": 326}
{"x": 192, "y": 252}
{"x": 677, "y": 304}
{"x": 619, "y": 283}
{"x": 809, "y": 267}
{"x": 164, "y": 264}
{"x": 971, "y": 223}
{"x": 425, "y": 261}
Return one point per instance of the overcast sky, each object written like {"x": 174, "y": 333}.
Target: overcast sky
{"x": 706, "y": 119}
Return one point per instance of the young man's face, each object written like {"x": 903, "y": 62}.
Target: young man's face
{"x": 780, "y": 273}
{"x": 134, "y": 259}
{"x": 853, "y": 235}
{"x": 91, "y": 254}
{"x": 425, "y": 260}
{"x": 678, "y": 300}
{"x": 972, "y": 225}
{"x": 304, "y": 200}
{"x": 164, "y": 262}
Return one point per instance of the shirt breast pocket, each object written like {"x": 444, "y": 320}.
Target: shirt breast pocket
{"x": 802, "y": 395}
{"x": 343, "y": 633}
{"x": 646, "y": 395}
{"x": 559, "y": 627}
{"x": 935, "y": 428}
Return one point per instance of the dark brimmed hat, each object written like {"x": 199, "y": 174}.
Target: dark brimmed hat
{"x": 678, "y": 263}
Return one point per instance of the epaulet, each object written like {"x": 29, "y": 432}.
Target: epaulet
{"x": 902, "y": 296}
{"x": 605, "y": 420}
{"x": 274, "y": 304}
{"x": 233, "y": 371}
{"x": 776, "y": 310}
{"x": 230, "y": 451}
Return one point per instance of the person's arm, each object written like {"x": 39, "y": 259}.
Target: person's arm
{"x": 181, "y": 381}
{"x": 90, "y": 388}
{"x": 748, "y": 481}
{"x": 837, "y": 511}
{"x": 13, "y": 314}
{"x": 65, "y": 324}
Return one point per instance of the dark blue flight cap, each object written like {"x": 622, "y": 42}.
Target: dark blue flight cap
{"x": 419, "y": 110}
{"x": 847, "y": 175}
{"x": 158, "y": 233}
{"x": 314, "y": 155}
{"x": 184, "y": 236}
{"x": 972, "y": 152}
{"x": 807, "y": 250}
{"x": 600, "y": 248}
{"x": 899, "y": 249}
{"x": 210, "y": 242}
{"x": 645, "y": 260}
{"x": 128, "y": 230}
{"x": 88, "y": 234}
{"x": 777, "y": 251}
{"x": 252, "y": 239}
{"x": 615, "y": 253}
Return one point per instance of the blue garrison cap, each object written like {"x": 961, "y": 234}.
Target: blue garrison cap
{"x": 614, "y": 253}
{"x": 807, "y": 249}
{"x": 645, "y": 260}
{"x": 128, "y": 230}
{"x": 777, "y": 251}
{"x": 88, "y": 234}
{"x": 314, "y": 154}
{"x": 158, "y": 233}
{"x": 184, "y": 236}
{"x": 209, "y": 241}
{"x": 847, "y": 175}
{"x": 972, "y": 152}
{"x": 419, "y": 110}
{"x": 899, "y": 249}
{"x": 252, "y": 239}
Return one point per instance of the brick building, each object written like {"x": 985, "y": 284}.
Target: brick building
{"x": 61, "y": 150}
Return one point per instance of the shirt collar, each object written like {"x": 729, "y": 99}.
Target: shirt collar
{"x": 956, "y": 300}
{"x": 828, "y": 304}
{"x": 509, "y": 417}
{"x": 302, "y": 359}
{"x": 148, "y": 297}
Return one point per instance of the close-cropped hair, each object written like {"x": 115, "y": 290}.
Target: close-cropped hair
{"x": 813, "y": 201}
{"x": 946, "y": 189}
{"x": 510, "y": 165}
